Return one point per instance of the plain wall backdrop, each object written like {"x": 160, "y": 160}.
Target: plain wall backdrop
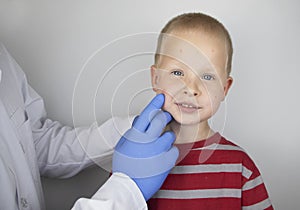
{"x": 107, "y": 47}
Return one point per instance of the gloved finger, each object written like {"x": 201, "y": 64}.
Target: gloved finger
{"x": 158, "y": 123}
{"x": 164, "y": 142}
{"x": 142, "y": 122}
{"x": 142, "y": 150}
{"x": 160, "y": 145}
{"x": 172, "y": 155}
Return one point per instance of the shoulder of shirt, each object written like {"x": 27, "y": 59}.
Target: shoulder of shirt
{"x": 243, "y": 154}
{"x": 225, "y": 141}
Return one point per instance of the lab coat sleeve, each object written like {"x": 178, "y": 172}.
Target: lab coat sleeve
{"x": 119, "y": 192}
{"x": 63, "y": 151}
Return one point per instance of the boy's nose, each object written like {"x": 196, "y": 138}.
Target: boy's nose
{"x": 192, "y": 89}
{"x": 191, "y": 92}
{"x": 192, "y": 86}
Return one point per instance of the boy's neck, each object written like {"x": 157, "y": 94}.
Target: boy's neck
{"x": 191, "y": 133}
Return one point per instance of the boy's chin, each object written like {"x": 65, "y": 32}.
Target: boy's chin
{"x": 187, "y": 121}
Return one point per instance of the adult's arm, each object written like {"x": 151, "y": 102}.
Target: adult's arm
{"x": 59, "y": 148}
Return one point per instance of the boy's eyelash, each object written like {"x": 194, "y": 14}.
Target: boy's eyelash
{"x": 180, "y": 73}
{"x": 208, "y": 77}
{"x": 177, "y": 73}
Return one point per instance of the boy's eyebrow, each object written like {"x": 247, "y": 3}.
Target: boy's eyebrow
{"x": 205, "y": 68}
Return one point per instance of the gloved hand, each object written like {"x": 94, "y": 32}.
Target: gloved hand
{"x": 143, "y": 153}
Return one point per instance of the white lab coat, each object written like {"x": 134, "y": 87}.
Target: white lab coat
{"x": 32, "y": 145}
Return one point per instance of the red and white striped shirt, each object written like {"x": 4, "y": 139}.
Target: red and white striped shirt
{"x": 212, "y": 174}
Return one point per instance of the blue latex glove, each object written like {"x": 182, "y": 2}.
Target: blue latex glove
{"x": 143, "y": 153}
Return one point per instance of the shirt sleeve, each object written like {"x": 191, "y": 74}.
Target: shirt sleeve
{"x": 119, "y": 192}
{"x": 254, "y": 192}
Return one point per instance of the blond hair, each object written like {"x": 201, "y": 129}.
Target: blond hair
{"x": 198, "y": 21}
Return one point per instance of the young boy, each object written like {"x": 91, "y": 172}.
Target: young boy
{"x": 192, "y": 69}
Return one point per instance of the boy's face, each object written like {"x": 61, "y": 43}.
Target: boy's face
{"x": 191, "y": 73}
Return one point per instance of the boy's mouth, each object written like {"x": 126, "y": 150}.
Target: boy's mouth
{"x": 188, "y": 107}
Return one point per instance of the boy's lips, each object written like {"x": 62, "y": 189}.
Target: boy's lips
{"x": 187, "y": 107}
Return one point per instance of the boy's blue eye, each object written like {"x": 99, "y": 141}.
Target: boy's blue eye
{"x": 177, "y": 73}
{"x": 207, "y": 77}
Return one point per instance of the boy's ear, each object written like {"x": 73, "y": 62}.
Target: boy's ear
{"x": 154, "y": 78}
{"x": 228, "y": 84}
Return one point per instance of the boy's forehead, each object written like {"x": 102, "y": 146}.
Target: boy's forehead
{"x": 196, "y": 52}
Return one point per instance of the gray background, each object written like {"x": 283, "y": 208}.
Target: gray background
{"x": 53, "y": 40}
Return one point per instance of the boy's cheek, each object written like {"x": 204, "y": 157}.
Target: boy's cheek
{"x": 170, "y": 89}
{"x": 168, "y": 98}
